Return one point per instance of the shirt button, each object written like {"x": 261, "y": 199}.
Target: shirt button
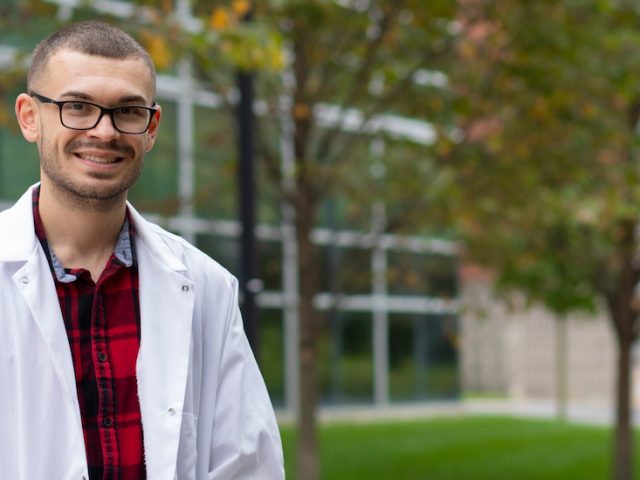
{"x": 102, "y": 356}
{"x": 107, "y": 421}
{"x": 25, "y": 279}
{"x": 185, "y": 288}
{"x": 172, "y": 411}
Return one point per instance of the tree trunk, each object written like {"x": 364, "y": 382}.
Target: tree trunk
{"x": 562, "y": 367}
{"x": 624, "y": 319}
{"x": 308, "y": 467}
{"x": 623, "y": 442}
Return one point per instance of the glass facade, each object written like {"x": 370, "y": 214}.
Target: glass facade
{"x": 388, "y": 305}
{"x": 346, "y": 358}
{"x": 423, "y": 357}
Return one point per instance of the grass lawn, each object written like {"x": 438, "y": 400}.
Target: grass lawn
{"x": 460, "y": 448}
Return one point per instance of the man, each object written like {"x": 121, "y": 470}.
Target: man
{"x": 122, "y": 354}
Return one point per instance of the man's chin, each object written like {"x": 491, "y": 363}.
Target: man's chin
{"x": 93, "y": 197}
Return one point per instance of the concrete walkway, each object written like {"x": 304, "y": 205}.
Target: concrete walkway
{"x": 588, "y": 413}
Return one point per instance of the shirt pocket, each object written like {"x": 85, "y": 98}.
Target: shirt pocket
{"x": 187, "y": 449}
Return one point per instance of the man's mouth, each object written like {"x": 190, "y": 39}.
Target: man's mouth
{"x": 103, "y": 160}
{"x": 105, "y": 153}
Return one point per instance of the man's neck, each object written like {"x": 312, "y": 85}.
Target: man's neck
{"x": 82, "y": 235}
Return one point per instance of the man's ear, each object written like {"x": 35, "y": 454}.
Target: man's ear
{"x": 152, "y": 133}
{"x": 28, "y": 119}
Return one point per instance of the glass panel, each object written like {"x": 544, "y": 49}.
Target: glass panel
{"x": 342, "y": 212}
{"x": 345, "y": 359}
{"x": 215, "y": 159}
{"x": 423, "y": 357}
{"x": 346, "y": 159}
{"x": 270, "y": 271}
{"x": 422, "y": 274}
{"x": 345, "y": 270}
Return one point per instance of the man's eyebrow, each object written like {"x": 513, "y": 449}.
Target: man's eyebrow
{"x": 75, "y": 94}
{"x": 132, "y": 99}
{"x": 84, "y": 96}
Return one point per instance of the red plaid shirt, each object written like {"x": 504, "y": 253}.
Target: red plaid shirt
{"x": 102, "y": 320}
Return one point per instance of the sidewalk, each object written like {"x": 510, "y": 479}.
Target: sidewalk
{"x": 588, "y": 413}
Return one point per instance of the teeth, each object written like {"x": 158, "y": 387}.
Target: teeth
{"x": 103, "y": 160}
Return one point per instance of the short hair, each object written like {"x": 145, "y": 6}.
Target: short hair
{"x": 91, "y": 38}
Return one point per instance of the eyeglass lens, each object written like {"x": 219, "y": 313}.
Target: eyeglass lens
{"x": 82, "y": 115}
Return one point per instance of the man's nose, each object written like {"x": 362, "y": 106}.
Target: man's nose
{"x": 104, "y": 129}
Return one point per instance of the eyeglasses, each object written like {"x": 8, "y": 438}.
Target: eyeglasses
{"x": 79, "y": 115}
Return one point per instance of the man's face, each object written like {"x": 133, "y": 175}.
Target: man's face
{"x": 101, "y": 163}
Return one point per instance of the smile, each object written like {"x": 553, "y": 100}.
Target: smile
{"x": 102, "y": 160}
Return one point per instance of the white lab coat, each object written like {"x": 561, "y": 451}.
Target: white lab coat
{"x": 205, "y": 410}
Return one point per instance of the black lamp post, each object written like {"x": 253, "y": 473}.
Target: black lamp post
{"x": 250, "y": 283}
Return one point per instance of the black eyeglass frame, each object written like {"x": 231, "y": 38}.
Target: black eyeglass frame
{"x": 108, "y": 110}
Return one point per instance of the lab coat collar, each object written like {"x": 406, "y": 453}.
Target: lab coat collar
{"x": 147, "y": 234}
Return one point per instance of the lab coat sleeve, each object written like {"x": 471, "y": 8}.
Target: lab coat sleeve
{"x": 245, "y": 439}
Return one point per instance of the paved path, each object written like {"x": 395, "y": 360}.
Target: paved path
{"x": 590, "y": 413}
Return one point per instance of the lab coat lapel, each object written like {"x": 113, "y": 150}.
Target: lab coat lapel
{"x": 36, "y": 285}
{"x": 18, "y": 243}
{"x": 166, "y": 307}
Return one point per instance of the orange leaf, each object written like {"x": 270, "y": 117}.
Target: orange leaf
{"x": 241, "y": 7}
{"x": 158, "y": 50}
{"x": 219, "y": 19}
{"x": 301, "y": 111}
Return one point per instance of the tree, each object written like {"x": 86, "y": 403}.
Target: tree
{"x": 547, "y": 168}
{"x": 361, "y": 59}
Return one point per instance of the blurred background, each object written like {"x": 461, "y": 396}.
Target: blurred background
{"x": 431, "y": 208}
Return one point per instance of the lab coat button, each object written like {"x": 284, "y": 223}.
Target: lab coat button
{"x": 185, "y": 288}
{"x": 172, "y": 411}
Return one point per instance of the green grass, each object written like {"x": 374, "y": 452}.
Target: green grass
{"x": 460, "y": 448}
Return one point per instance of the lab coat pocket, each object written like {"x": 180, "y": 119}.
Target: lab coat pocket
{"x": 187, "y": 452}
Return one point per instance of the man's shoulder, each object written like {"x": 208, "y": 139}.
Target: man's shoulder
{"x": 194, "y": 259}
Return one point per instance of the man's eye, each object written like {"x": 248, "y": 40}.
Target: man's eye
{"x": 132, "y": 111}
{"x": 78, "y": 107}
